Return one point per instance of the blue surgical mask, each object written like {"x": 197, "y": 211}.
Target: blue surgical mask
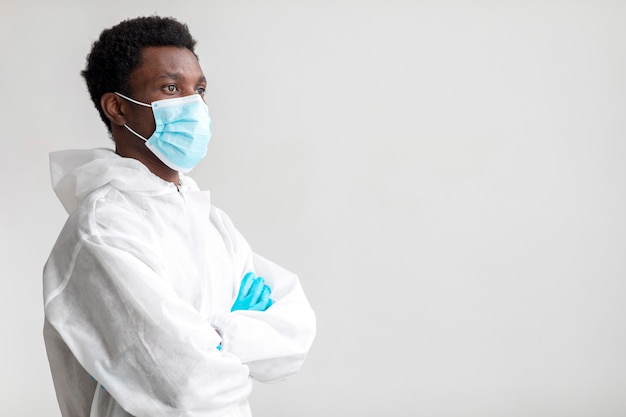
{"x": 183, "y": 130}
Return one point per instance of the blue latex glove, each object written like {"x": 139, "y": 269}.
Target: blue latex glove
{"x": 253, "y": 294}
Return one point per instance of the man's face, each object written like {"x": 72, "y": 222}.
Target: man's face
{"x": 165, "y": 72}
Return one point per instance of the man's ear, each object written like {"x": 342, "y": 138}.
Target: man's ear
{"x": 112, "y": 107}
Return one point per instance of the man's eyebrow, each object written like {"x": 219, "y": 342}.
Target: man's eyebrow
{"x": 177, "y": 76}
{"x": 170, "y": 75}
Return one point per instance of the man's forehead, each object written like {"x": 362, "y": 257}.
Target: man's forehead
{"x": 168, "y": 56}
{"x": 168, "y": 62}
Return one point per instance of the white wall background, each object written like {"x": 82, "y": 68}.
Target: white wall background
{"x": 447, "y": 177}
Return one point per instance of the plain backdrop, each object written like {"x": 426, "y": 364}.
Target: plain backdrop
{"x": 446, "y": 177}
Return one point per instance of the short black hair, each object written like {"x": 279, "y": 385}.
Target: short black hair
{"x": 118, "y": 51}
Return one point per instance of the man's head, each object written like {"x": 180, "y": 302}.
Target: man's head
{"x": 142, "y": 61}
{"x": 119, "y": 51}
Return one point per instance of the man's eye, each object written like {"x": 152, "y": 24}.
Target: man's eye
{"x": 200, "y": 90}
{"x": 171, "y": 88}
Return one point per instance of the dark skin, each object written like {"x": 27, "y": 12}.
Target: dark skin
{"x": 165, "y": 72}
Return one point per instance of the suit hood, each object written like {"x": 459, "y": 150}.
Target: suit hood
{"x": 77, "y": 173}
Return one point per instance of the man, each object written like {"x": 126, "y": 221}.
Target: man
{"x": 155, "y": 305}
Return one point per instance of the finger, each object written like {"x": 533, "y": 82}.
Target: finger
{"x": 265, "y": 296}
{"x": 246, "y": 283}
{"x": 255, "y": 290}
{"x": 261, "y": 303}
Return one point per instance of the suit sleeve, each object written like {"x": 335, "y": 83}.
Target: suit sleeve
{"x": 123, "y": 322}
{"x": 273, "y": 343}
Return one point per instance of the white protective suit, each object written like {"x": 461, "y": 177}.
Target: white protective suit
{"x": 137, "y": 296}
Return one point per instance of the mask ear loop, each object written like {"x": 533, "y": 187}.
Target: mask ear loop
{"x": 135, "y": 133}
{"x": 133, "y": 101}
{"x": 136, "y": 102}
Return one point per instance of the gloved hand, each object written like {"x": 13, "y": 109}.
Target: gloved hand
{"x": 253, "y": 294}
